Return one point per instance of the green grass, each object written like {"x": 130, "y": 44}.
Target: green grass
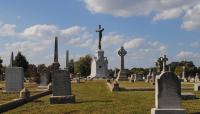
{"x": 5, "y": 97}
{"x": 93, "y": 97}
{"x": 143, "y": 84}
{"x": 134, "y": 84}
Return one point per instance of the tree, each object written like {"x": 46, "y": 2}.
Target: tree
{"x": 20, "y": 61}
{"x": 32, "y": 73}
{"x": 83, "y": 65}
{"x": 178, "y": 70}
{"x": 41, "y": 67}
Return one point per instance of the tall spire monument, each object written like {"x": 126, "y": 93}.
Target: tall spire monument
{"x": 56, "y": 64}
{"x": 99, "y": 65}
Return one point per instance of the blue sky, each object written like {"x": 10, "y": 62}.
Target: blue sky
{"x": 146, "y": 28}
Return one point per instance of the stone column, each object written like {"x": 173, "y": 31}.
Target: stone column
{"x": 56, "y": 64}
{"x": 11, "y": 59}
{"x": 122, "y": 52}
{"x": 67, "y": 60}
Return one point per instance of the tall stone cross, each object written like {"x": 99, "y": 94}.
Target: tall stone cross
{"x": 122, "y": 52}
{"x": 100, "y": 31}
{"x": 164, "y": 60}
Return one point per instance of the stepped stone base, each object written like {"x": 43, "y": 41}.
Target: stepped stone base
{"x": 168, "y": 111}
{"x": 122, "y": 76}
{"x": 62, "y": 99}
{"x": 42, "y": 88}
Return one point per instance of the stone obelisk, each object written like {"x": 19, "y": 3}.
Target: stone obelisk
{"x": 61, "y": 85}
{"x": 56, "y": 64}
{"x": 67, "y": 60}
{"x": 11, "y": 59}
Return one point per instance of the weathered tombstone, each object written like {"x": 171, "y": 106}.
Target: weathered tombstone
{"x": 44, "y": 80}
{"x": 131, "y": 79}
{"x": 99, "y": 64}
{"x": 138, "y": 77}
{"x": 14, "y": 77}
{"x": 122, "y": 75}
{"x": 167, "y": 95}
{"x": 61, "y": 85}
{"x": 197, "y": 78}
{"x": 61, "y": 88}
{"x": 45, "y": 77}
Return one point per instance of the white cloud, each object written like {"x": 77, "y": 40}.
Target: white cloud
{"x": 189, "y": 10}
{"x": 40, "y": 31}
{"x": 168, "y": 14}
{"x": 188, "y": 55}
{"x": 126, "y": 8}
{"x": 191, "y": 18}
{"x": 7, "y": 30}
{"x": 112, "y": 39}
{"x": 135, "y": 43}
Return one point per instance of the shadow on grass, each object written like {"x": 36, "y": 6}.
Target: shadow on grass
{"x": 195, "y": 113}
{"x": 70, "y": 112}
{"x": 90, "y": 101}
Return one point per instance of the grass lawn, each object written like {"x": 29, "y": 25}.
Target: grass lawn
{"x": 93, "y": 97}
{"x": 10, "y": 96}
{"x": 134, "y": 84}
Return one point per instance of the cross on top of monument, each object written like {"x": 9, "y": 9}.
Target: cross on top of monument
{"x": 122, "y": 52}
{"x": 100, "y": 31}
{"x": 164, "y": 59}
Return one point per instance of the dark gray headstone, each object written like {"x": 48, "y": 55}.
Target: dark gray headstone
{"x": 61, "y": 88}
{"x": 61, "y": 83}
{"x": 168, "y": 94}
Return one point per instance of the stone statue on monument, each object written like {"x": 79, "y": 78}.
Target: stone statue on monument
{"x": 100, "y": 31}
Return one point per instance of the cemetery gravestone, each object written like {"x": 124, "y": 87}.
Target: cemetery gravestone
{"x": 44, "y": 80}
{"x": 61, "y": 88}
{"x": 122, "y": 76}
{"x": 167, "y": 95}
{"x": 138, "y": 77}
{"x": 14, "y": 79}
{"x": 61, "y": 84}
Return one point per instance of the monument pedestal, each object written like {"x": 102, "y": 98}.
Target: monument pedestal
{"x": 168, "y": 111}
{"x": 122, "y": 76}
{"x": 62, "y": 99}
{"x": 99, "y": 66}
{"x": 197, "y": 87}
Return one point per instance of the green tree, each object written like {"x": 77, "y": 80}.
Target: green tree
{"x": 83, "y": 65}
{"x": 178, "y": 70}
{"x": 20, "y": 61}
